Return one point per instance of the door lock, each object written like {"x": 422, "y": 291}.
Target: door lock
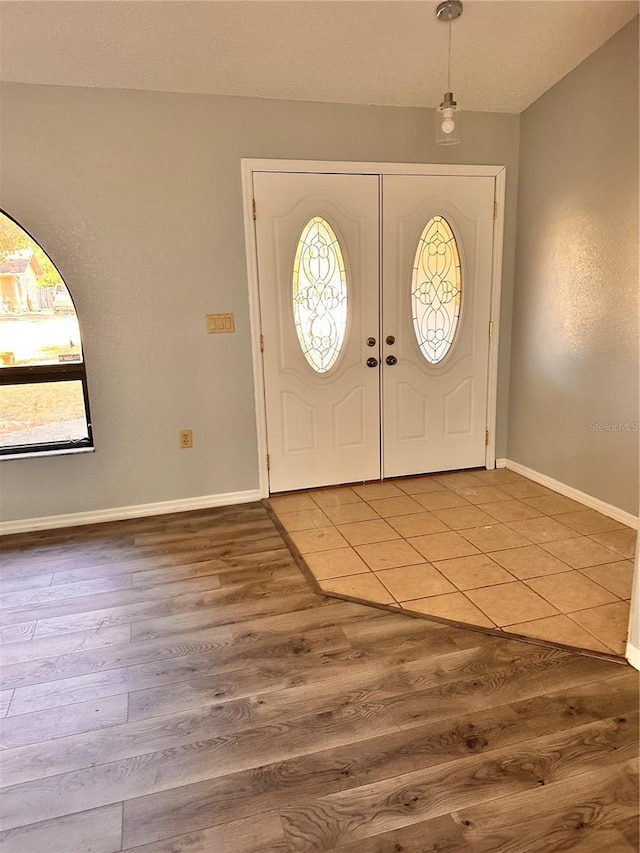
{"x": 371, "y": 342}
{"x": 391, "y": 360}
{"x": 390, "y": 340}
{"x": 372, "y": 362}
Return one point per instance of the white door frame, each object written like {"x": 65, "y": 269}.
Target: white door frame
{"x": 249, "y": 166}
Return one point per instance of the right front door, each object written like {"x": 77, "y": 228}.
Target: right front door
{"x": 436, "y": 294}
{"x": 375, "y": 362}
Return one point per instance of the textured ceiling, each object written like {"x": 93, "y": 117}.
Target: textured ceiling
{"x": 505, "y": 54}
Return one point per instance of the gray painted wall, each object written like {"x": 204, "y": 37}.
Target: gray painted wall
{"x": 575, "y": 315}
{"x": 137, "y": 198}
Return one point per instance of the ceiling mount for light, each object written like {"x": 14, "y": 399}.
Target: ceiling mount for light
{"x": 449, "y": 10}
{"x": 447, "y": 119}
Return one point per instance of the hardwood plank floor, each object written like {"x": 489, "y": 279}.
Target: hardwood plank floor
{"x": 172, "y": 685}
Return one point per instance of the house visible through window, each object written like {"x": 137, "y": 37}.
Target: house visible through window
{"x": 44, "y": 405}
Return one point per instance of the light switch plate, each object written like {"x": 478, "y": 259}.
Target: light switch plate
{"x": 217, "y": 323}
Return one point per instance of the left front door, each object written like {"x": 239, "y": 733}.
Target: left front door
{"x": 317, "y": 238}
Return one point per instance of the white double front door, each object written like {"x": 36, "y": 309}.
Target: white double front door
{"x": 375, "y": 303}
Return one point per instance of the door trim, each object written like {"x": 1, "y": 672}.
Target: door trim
{"x": 250, "y": 166}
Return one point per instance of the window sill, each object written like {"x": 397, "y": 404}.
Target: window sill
{"x": 43, "y": 453}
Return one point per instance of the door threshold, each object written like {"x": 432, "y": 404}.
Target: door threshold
{"x": 390, "y": 478}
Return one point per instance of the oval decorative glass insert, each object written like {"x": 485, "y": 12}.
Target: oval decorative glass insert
{"x": 436, "y": 290}
{"x": 319, "y": 294}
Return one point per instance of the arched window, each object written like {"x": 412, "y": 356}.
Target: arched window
{"x": 44, "y": 404}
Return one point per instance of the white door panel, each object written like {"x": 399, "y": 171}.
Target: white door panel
{"x": 322, "y": 428}
{"x": 434, "y": 415}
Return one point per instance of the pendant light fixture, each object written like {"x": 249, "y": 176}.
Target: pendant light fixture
{"x": 447, "y": 116}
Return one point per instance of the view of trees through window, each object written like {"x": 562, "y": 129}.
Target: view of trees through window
{"x": 43, "y": 399}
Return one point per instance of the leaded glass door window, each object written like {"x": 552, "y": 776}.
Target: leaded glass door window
{"x": 320, "y": 295}
{"x": 436, "y": 290}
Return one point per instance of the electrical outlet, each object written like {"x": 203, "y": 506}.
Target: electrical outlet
{"x": 186, "y": 439}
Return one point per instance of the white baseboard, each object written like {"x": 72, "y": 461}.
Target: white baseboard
{"x": 609, "y": 510}
{"x": 633, "y": 655}
{"x": 119, "y": 513}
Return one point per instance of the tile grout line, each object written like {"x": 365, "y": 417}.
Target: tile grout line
{"x": 591, "y": 634}
{"x": 582, "y": 572}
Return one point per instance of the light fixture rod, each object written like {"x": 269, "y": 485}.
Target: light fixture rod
{"x": 449, "y": 60}
{"x": 447, "y": 12}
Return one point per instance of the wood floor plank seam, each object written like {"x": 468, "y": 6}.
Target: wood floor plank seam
{"x": 99, "y": 550}
{"x": 471, "y": 738}
{"x": 75, "y": 641}
{"x": 292, "y": 784}
{"x": 123, "y": 654}
{"x": 21, "y": 730}
{"x": 502, "y": 811}
{"x": 41, "y": 791}
{"x": 371, "y": 675}
{"x": 338, "y": 699}
{"x": 145, "y": 610}
{"x": 231, "y": 551}
{"x": 400, "y": 799}
{"x": 69, "y": 743}
{"x": 561, "y": 819}
{"x": 6, "y": 704}
{"x": 226, "y": 838}
{"x": 168, "y": 669}
{"x": 19, "y": 758}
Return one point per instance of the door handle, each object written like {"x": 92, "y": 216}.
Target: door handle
{"x": 391, "y": 360}
{"x": 390, "y": 340}
{"x": 371, "y": 342}
{"x": 372, "y": 362}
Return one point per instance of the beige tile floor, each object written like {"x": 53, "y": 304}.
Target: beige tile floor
{"x": 483, "y": 548}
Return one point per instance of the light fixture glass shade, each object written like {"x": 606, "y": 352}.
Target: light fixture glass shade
{"x": 448, "y": 121}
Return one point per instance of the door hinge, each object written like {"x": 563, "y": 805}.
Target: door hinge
{"x": 486, "y": 438}
{"x": 254, "y": 210}
{"x": 261, "y": 343}
{"x": 490, "y": 328}
{"x": 268, "y": 462}
{"x": 495, "y": 210}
